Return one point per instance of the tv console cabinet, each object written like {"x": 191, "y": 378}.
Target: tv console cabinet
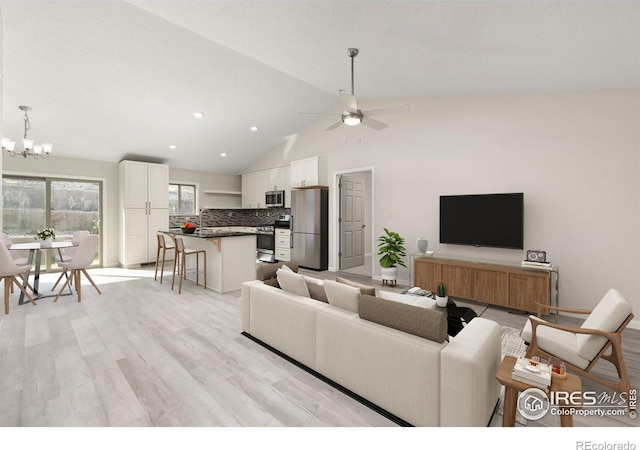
{"x": 507, "y": 285}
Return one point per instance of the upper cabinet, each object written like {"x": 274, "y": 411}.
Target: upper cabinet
{"x": 308, "y": 172}
{"x": 256, "y": 184}
{"x": 144, "y": 185}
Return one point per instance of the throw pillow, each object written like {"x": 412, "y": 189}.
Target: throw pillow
{"x": 316, "y": 289}
{"x": 292, "y": 282}
{"x": 414, "y": 300}
{"x": 418, "y": 321}
{"x": 342, "y": 296}
{"x": 285, "y": 267}
{"x": 364, "y": 289}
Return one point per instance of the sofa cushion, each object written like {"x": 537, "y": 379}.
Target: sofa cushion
{"x": 292, "y": 282}
{"x": 342, "y": 296}
{"x": 415, "y": 320}
{"x": 265, "y": 271}
{"x": 364, "y": 289}
{"x": 316, "y": 288}
{"x": 407, "y": 299}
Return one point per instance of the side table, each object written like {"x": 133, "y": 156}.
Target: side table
{"x": 513, "y": 387}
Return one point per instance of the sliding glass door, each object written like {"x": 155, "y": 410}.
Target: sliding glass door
{"x": 31, "y": 204}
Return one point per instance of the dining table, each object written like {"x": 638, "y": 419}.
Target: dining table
{"x": 35, "y": 252}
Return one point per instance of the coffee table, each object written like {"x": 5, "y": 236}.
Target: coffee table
{"x": 512, "y": 387}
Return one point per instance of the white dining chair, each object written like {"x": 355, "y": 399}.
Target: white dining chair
{"x": 69, "y": 253}
{"x": 19, "y": 260}
{"x": 78, "y": 265}
{"x": 8, "y": 271}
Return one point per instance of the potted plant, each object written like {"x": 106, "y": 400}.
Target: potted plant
{"x": 441, "y": 295}
{"x": 46, "y": 236}
{"x": 391, "y": 247}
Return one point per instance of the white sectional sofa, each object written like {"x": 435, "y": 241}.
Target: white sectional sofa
{"x": 422, "y": 382}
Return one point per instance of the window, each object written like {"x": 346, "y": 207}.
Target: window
{"x": 182, "y": 199}
{"x": 32, "y": 204}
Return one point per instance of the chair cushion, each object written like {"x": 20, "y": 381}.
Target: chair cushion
{"x": 608, "y": 315}
{"x": 559, "y": 343}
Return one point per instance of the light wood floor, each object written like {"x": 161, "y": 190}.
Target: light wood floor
{"x": 142, "y": 355}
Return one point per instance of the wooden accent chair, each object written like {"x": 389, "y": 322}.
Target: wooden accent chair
{"x": 581, "y": 348}
{"x": 162, "y": 245}
{"x": 8, "y": 271}
{"x": 179, "y": 261}
{"x": 78, "y": 265}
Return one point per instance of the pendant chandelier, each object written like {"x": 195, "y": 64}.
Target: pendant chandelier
{"x": 30, "y": 148}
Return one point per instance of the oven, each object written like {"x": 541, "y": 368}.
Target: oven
{"x": 274, "y": 199}
{"x": 265, "y": 243}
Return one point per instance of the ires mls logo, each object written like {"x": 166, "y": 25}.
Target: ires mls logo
{"x": 534, "y": 403}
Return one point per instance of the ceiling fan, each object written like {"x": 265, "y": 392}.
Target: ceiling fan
{"x": 352, "y": 116}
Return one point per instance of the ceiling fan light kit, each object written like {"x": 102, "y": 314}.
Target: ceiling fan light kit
{"x": 30, "y": 148}
{"x": 351, "y": 115}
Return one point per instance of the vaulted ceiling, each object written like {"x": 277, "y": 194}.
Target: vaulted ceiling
{"x": 114, "y": 79}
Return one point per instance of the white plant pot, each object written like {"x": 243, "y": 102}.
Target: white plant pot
{"x": 46, "y": 242}
{"x": 442, "y": 301}
{"x": 389, "y": 273}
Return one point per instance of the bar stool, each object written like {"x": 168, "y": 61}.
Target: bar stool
{"x": 181, "y": 255}
{"x": 162, "y": 245}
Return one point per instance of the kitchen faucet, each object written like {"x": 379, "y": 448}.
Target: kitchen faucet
{"x": 204, "y": 211}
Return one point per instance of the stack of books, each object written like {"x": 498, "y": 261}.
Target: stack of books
{"x": 535, "y": 373}
{"x": 536, "y": 264}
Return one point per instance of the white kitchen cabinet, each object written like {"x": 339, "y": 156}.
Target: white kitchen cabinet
{"x": 283, "y": 244}
{"x": 286, "y": 173}
{"x": 258, "y": 188}
{"x": 256, "y": 184}
{"x": 247, "y": 178}
{"x": 307, "y": 172}
{"x": 144, "y": 209}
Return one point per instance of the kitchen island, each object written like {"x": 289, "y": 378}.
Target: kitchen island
{"x": 231, "y": 257}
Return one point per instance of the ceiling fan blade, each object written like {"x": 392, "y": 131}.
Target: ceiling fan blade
{"x": 387, "y": 110}
{"x": 334, "y": 126}
{"x": 371, "y": 123}
{"x": 349, "y": 101}
{"x": 321, "y": 114}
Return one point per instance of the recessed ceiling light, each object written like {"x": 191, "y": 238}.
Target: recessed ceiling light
{"x": 254, "y": 128}
{"x": 173, "y": 147}
{"x": 223, "y": 154}
{"x": 198, "y": 115}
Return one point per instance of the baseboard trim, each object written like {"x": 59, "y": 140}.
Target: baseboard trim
{"x": 383, "y": 412}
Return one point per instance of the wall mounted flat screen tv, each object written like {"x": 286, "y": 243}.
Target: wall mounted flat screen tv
{"x": 487, "y": 220}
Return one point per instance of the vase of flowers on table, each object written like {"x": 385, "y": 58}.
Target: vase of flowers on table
{"x": 46, "y": 236}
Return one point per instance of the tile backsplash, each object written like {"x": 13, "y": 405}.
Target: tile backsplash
{"x": 231, "y": 217}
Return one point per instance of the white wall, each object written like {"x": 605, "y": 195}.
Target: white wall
{"x": 575, "y": 155}
{"x": 211, "y": 182}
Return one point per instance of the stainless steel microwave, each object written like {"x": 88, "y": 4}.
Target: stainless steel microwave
{"x": 274, "y": 199}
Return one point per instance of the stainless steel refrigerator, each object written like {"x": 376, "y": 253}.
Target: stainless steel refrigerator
{"x": 310, "y": 228}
